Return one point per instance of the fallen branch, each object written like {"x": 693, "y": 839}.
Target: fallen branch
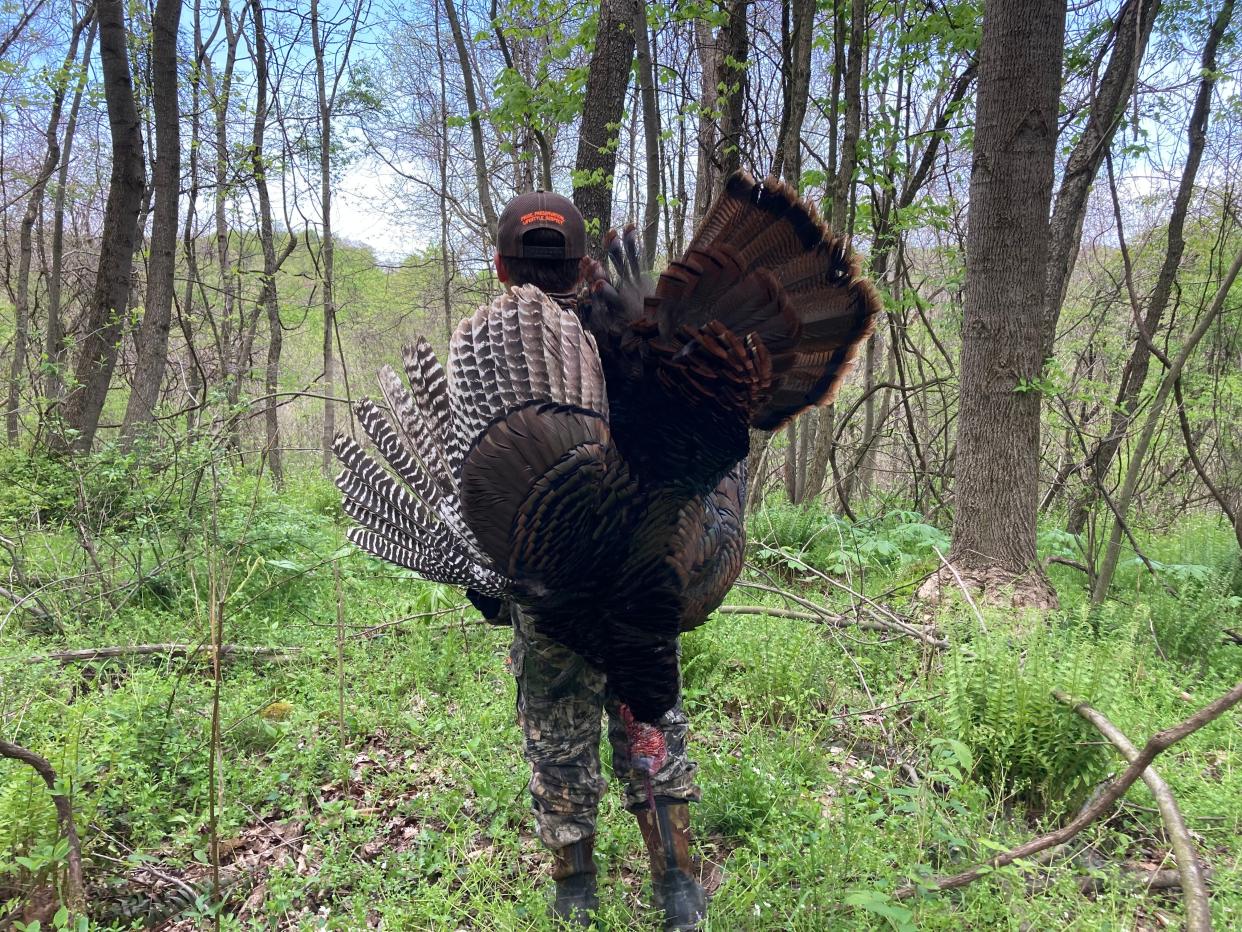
{"x": 1066, "y": 561}
{"x": 74, "y": 897}
{"x": 965, "y": 591}
{"x": 88, "y": 654}
{"x": 1198, "y": 912}
{"x": 1156, "y": 744}
{"x": 1139, "y": 879}
{"x": 30, "y": 603}
{"x": 822, "y": 618}
{"x": 837, "y": 621}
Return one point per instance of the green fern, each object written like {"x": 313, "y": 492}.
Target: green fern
{"x": 999, "y": 703}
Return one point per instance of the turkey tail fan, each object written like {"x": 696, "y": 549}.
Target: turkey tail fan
{"x": 760, "y": 319}
{"x": 826, "y": 309}
{"x": 397, "y": 524}
{"x": 499, "y": 466}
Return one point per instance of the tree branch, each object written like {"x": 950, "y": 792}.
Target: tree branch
{"x": 1156, "y": 744}
{"x": 64, "y": 815}
{"x": 1198, "y": 912}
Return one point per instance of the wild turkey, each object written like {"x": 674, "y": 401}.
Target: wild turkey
{"x": 591, "y": 467}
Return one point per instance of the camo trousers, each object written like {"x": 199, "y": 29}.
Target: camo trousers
{"x": 560, "y": 698}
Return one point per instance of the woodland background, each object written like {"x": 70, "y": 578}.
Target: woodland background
{"x": 218, "y": 218}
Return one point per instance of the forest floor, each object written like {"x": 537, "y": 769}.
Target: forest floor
{"x": 369, "y": 773}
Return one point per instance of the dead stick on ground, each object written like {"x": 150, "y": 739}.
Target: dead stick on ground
{"x": 1155, "y": 745}
{"x": 172, "y": 650}
{"x": 965, "y": 591}
{"x": 1198, "y": 910}
{"x": 840, "y": 621}
{"x": 64, "y": 815}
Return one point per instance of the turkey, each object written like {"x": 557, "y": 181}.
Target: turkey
{"x": 590, "y": 465}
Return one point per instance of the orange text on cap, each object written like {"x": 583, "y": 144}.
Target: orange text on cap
{"x": 545, "y": 216}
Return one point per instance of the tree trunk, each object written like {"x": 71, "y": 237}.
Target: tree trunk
{"x": 54, "y": 343}
{"x": 798, "y": 21}
{"x": 841, "y": 219}
{"x": 197, "y": 378}
{"x": 817, "y": 467}
{"x": 110, "y": 299}
{"x": 791, "y": 461}
{"x": 708, "y": 47}
{"x": 476, "y": 124}
{"x": 232, "y": 329}
{"x": 442, "y": 160}
{"x": 152, "y": 341}
{"x": 1135, "y": 373}
{"x": 1108, "y": 565}
{"x": 1131, "y": 32}
{"x": 843, "y": 151}
{"x": 269, "y": 298}
{"x": 21, "y": 304}
{"x": 608, "y": 78}
{"x": 1007, "y": 244}
{"x": 326, "y": 242}
{"x": 651, "y": 135}
{"x": 732, "y": 73}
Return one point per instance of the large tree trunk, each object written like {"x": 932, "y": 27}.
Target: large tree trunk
{"x": 731, "y": 75}
{"x": 21, "y": 303}
{"x": 1007, "y": 242}
{"x": 152, "y": 341}
{"x": 841, "y": 215}
{"x": 608, "y": 78}
{"x": 110, "y": 299}
{"x": 1134, "y": 376}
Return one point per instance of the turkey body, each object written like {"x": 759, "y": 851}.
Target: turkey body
{"x": 589, "y": 464}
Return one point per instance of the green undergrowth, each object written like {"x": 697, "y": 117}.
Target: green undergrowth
{"x": 837, "y": 764}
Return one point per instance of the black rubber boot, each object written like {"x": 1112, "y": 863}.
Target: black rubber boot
{"x": 666, "y": 832}
{"x": 574, "y": 873}
{"x": 682, "y": 899}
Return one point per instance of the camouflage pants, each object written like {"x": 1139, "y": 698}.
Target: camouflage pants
{"x": 560, "y": 698}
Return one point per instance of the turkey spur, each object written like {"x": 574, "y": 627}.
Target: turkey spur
{"x": 590, "y": 464}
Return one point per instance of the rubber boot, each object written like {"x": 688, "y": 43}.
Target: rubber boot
{"x": 666, "y": 833}
{"x": 573, "y": 869}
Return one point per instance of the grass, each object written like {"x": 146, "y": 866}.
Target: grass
{"x": 419, "y": 818}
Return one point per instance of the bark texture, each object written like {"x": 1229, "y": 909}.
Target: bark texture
{"x": 110, "y": 298}
{"x": 731, "y": 78}
{"x": 842, "y": 187}
{"x": 1006, "y": 264}
{"x": 798, "y": 21}
{"x": 152, "y": 339}
{"x": 608, "y": 78}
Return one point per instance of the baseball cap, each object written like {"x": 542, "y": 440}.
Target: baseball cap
{"x": 541, "y": 210}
